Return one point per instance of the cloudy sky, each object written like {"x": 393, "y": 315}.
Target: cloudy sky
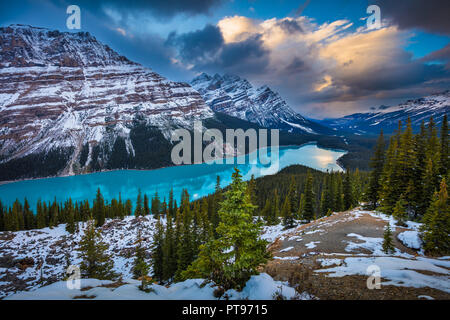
{"x": 318, "y": 54}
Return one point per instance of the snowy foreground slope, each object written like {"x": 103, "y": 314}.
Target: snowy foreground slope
{"x": 260, "y": 287}
{"x": 340, "y": 247}
{"x": 349, "y": 244}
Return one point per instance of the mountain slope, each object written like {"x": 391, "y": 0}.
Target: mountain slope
{"x": 236, "y": 97}
{"x": 69, "y": 104}
{"x": 387, "y": 118}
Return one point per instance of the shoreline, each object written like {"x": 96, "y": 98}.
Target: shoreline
{"x": 123, "y": 169}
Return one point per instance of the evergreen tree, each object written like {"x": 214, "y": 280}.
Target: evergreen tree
{"x": 139, "y": 210}
{"x": 236, "y": 254}
{"x": 186, "y": 247}
{"x": 445, "y": 148}
{"x": 156, "y": 206}
{"x": 140, "y": 266}
{"x": 388, "y": 246}
{"x": 40, "y": 216}
{"x": 29, "y": 219}
{"x": 436, "y": 224}
{"x": 70, "y": 223}
{"x": 146, "y": 205}
{"x": 171, "y": 211}
{"x": 286, "y": 213}
{"x": 98, "y": 209}
{"x": 400, "y": 213}
{"x": 308, "y": 209}
{"x": 128, "y": 207}
{"x": 251, "y": 189}
{"x": 348, "y": 191}
{"x": 338, "y": 201}
{"x": 293, "y": 197}
{"x": 169, "y": 251}
{"x": 96, "y": 263}
{"x": 376, "y": 164}
{"x": 217, "y": 198}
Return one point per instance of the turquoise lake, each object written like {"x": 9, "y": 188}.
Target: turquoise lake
{"x": 198, "y": 179}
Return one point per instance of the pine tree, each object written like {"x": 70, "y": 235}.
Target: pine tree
{"x": 98, "y": 209}
{"x": 40, "y": 215}
{"x": 326, "y": 202}
{"x": 251, "y": 189}
{"x": 236, "y": 254}
{"x": 128, "y": 207}
{"x": 293, "y": 197}
{"x": 70, "y": 225}
{"x": 139, "y": 210}
{"x": 29, "y": 218}
{"x": 388, "y": 246}
{"x": 156, "y": 206}
{"x": 146, "y": 205}
{"x": 186, "y": 247}
{"x": 169, "y": 251}
{"x": 217, "y": 198}
{"x": 348, "y": 191}
{"x": 389, "y": 181}
{"x": 376, "y": 164}
{"x": 171, "y": 211}
{"x": 338, "y": 200}
{"x": 140, "y": 266}
{"x": 436, "y": 224}
{"x": 418, "y": 201}
{"x": 96, "y": 263}
{"x": 266, "y": 212}
{"x": 157, "y": 252}
{"x": 308, "y": 209}
{"x": 445, "y": 147}
{"x": 286, "y": 213}
{"x": 400, "y": 213}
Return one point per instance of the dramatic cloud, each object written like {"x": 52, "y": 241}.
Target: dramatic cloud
{"x": 207, "y": 50}
{"x": 427, "y": 15}
{"x": 332, "y": 67}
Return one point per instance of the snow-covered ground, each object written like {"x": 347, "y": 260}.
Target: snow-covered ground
{"x": 51, "y": 251}
{"x": 260, "y": 287}
{"x": 398, "y": 268}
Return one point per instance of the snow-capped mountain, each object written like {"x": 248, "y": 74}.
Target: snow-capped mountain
{"x": 68, "y": 103}
{"x": 387, "y": 117}
{"x": 237, "y": 97}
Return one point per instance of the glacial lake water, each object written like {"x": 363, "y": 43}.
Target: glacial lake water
{"x": 198, "y": 179}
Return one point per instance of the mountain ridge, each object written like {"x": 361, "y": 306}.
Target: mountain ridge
{"x": 71, "y": 103}
{"x": 237, "y": 97}
{"x": 387, "y": 117}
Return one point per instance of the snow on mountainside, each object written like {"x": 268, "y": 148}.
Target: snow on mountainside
{"x": 237, "y": 97}
{"x": 387, "y": 118}
{"x": 70, "y": 96}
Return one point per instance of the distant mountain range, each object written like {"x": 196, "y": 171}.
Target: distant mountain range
{"x": 387, "y": 117}
{"x": 237, "y": 97}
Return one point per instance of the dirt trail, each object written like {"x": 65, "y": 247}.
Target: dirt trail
{"x": 304, "y": 247}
